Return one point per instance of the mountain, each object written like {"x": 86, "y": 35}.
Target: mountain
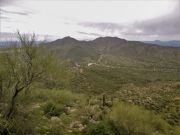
{"x": 115, "y": 51}
{"x": 7, "y": 43}
{"x": 173, "y": 43}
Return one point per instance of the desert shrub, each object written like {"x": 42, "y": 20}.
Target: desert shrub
{"x": 102, "y": 128}
{"x": 21, "y": 124}
{"x": 52, "y": 109}
{"x": 65, "y": 97}
{"x": 66, "y": 119}
{"x": 177, "y": 131}
{"x": 50, "y": 127}
{"x": 4, "y": 124}
{"x": 133, "y": 120}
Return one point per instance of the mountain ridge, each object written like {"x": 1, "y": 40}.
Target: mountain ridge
{"x": 172, "y": 43}
{"x": 115, "y": 51}
{"x": 175, "y": 43}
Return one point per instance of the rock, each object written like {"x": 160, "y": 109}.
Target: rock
{"x": 177, "y": 99}
{"x": 55, "y": 119}
{"x": 73, "y": 110}
{"x": 93, "y": 121}
{"x": 76, "y": 124}
{"x": 67, "y": 110}
{"x": 82, "y": 127}
{"x": 81, "y": 70}
{"x": 70, "y": 131}
{"x": 35, "y": 106}
{"x": 149, "y": 98}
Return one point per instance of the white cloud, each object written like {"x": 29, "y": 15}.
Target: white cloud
{"x": 62, "y": 18}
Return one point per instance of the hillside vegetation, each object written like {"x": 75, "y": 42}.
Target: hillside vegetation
{"x": 108, "y": 86}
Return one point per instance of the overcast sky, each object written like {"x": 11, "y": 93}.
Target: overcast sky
{"x": 89, "y": 19}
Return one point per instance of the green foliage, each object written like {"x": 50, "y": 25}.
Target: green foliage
{"x": 3, "y": 126}
{"x": 133, "y": 120}
{"x": 65, "y": 97}
{"x": 177, "y": 131}
{"x": 52, "y": 109}
{"x": 111, "y": 79}
{"x": 21, "y": 124}
{"x": 21, "y": 66}
{"x": 102, "y": 128}
{"x": 50, "y": 128}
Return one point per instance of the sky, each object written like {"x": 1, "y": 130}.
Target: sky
{"x": 89, "y": 19}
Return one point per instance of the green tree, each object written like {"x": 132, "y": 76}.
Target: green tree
{"x": 20, "y": 66}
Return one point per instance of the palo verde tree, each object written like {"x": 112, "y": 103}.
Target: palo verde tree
{"x": 20, "y": 66}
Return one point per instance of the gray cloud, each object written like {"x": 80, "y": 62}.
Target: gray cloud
{"x": 12, "y": 36}
{"x": 24, "y": 13}
{"x": 165, "y": 26}
{"x": 6, "y": 2}
{"x": 89, "y": 34}
{"x": 103, "y": 26}
{"x": 5, "y": 17}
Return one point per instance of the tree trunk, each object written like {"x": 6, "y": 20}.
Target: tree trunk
{"x": 1, "y": 88}
{"x": 12, "y": 105}
{"x": 104, "y": 100}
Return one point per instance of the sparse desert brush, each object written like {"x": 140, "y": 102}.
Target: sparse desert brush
{"x": 177, "y": 131}
{"x": 102, "y": 128}
{"x": 133, "y": 120}
{"x": 52, "y": 109}
{"x": 65, "y": 97}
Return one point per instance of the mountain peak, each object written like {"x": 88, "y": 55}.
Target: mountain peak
{"x": 68, "y": 38}
{"x": 64, "y": 40}
{"x": 110, "y": 39}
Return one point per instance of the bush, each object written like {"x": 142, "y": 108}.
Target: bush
{"x": 3, "y": 126}
{"x": 102, "y": 128}
{"x": 50, "y": 128}
{"x": 64, "y": 97}
{"x": 177, "y": 131}
{"x": 21, "y": 124}
{"x": 132, "y": 120}
{"x": 52, "y": 109}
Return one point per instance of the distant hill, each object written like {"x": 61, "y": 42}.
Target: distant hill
{"x": 173, "y": 43}
{"x": 9, "y": 43}
{"x": 115, "y": 51}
